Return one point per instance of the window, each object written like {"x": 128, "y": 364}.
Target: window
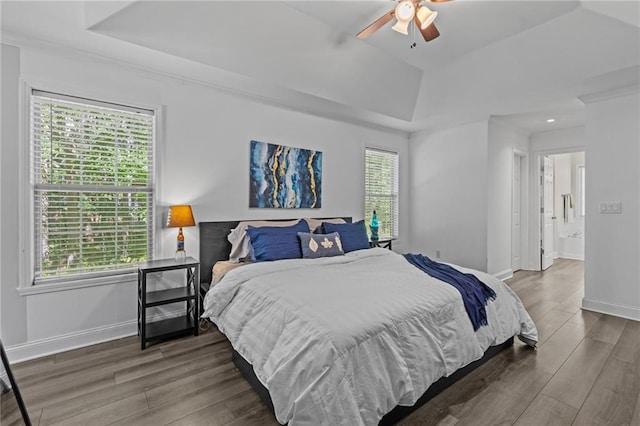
{"x": 381, "y": 190}
{"x": 92, "y": 177}
{"x": 581, "y": 191}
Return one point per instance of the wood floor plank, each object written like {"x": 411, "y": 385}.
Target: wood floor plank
{"x": 492, "y": 407}
{"x": 260, "y": 416}
{"x": 106, "y": 349}
{"x": 574, "y": 380}
{"x": 586, "y": 318}
{"x": 34, "y": 367}
{"x": 429, "y": 415}
{"x": 130, "y": 373}
{"x": 92, "y": 400}
{"x": 507, "y": 395}
{"x": 76, "y": 370}
{"x": 573, "y": 303}
{"x": 108, "y": 414}
{"x": 608, "y": 329}
{"x": 243, "y": 403}
{"x": 47, "y": 394}
{"x": 213, "y": 415}
{"x": 635, "y": 420}
{"x": 547, "y": 411}
{"x": 611, "y": 401}
{"x": 555, "y": 350}
{"x": 628, "y": 346}
{"x": 549, "y": 323}
{"x": 165, "y": 393}
{"x": 187, "y": 404}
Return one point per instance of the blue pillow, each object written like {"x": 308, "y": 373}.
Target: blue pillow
{"x": 320, "y": 245}
{"x": 275, "y": 242}
{"x": 353, "y": 235}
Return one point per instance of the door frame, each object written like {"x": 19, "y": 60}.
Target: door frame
{"x": 535, "y": 225}
{"x": 524, "y": 206}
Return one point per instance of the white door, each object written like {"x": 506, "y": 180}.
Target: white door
{"x": 546, "y": 252}
{"x": 515, "y": 221}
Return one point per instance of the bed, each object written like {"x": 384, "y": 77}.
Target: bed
{"x": 361, "y": 338}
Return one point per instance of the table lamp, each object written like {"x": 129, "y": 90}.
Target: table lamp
{"x": 179, "y": 216}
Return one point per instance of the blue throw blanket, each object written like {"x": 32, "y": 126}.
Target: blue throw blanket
{"x": 475, "y": 293}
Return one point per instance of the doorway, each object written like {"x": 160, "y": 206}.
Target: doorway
{"x": 561, "y": 206}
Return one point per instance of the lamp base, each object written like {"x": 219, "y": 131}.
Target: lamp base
{"x": 181, "y": 256}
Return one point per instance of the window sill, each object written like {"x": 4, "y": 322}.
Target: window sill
{"x": 129, "y": 277}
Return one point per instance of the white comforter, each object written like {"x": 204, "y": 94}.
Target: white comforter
{"x": 343, "y": 340}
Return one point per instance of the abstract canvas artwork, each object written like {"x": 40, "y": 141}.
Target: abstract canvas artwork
{"x": 284, "y": 177}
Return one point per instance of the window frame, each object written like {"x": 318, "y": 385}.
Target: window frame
{"x": 26, "y": 245}
{"x": 580, "y": 190}
{"x": 395, "y": 232}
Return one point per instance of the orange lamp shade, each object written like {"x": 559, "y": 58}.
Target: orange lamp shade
{"x": 180, "y": 216}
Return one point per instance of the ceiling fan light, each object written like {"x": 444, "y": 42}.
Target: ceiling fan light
{"x": 426, "y": 17}
{"x": 401, "y": 27}
{"x": 405, "y": 11}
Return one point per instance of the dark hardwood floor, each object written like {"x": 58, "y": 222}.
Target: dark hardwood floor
{"x": 586, "y": 371}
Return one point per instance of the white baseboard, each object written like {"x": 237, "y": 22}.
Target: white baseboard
{"x": 65, "y": 342}
{"x": 623, "y": 311}
{"x": 79, "y": 339}
{"x": 504, "y": 275}
{"x": 572, "y": 256}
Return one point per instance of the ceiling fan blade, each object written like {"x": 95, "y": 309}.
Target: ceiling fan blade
{"x": 376, "y": 25}
{"x": 430, "y": 32}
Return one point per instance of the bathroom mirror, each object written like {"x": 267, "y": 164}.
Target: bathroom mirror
{"x": 12, "y": 408}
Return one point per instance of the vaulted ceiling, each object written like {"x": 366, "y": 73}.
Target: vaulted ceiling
{"x": 521, "y": 60}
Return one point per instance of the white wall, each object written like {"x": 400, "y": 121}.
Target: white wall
{"x": 503, "y": 141}
{"x": 448, "y": 190}
{"x": 461, "y": 194}
{"x": 202, "y": 160}
{"x": 612, "y": 251}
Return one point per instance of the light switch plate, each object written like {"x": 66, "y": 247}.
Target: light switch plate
{"x": 611, "y": 207}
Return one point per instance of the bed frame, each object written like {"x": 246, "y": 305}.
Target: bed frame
{"x": 214, "y": 246}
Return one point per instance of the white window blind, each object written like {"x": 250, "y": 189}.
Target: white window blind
{"x": 92, "y": 170}
{"x": 381, "y": 190}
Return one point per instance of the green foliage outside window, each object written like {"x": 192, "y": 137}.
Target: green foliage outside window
{"x": 92, "y": 186}
{"x": 381, "y": 190}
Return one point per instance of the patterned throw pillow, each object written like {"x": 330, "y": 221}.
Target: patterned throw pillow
{"x": 320, "y": 245}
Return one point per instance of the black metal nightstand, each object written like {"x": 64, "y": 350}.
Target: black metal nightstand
{"x": 188, "y": 293}
{"x": 382, "y": 242}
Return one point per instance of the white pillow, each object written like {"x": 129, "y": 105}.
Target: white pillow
{"x": 240, "y": 242}
{"x": 314, "y": 223}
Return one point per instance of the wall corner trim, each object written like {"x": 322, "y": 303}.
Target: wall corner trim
{"x": 504, "y": 275}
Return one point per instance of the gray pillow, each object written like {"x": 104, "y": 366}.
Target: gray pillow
{"x": 320, "y": 245}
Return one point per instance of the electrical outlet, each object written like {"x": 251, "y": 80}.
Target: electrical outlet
{"x": 437, "y": 254}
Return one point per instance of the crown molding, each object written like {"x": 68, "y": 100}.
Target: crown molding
{"x": 610, "y": 94}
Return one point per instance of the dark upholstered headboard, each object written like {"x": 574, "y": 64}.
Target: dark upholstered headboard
{"x": 214, "y": 245}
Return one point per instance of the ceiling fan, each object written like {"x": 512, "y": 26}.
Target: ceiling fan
{"x": 405, "y": 12}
